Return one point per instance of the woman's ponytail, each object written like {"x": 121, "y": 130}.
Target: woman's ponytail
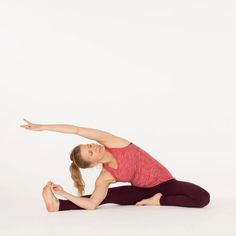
{"x": 77, "y": 163}
{"x": 77, "y": 177}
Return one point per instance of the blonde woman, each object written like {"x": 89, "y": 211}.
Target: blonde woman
{"x": 122, "y": 161}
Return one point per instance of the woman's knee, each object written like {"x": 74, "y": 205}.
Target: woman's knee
{"x": 204, "y": 199}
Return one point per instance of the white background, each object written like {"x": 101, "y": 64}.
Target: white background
{"x": 158, "y": 73}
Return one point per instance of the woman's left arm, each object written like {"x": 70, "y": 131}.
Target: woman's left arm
{"x": 90, "y": 133}
{"x": 102, "y": 137}
{"x": 62, "y": 128}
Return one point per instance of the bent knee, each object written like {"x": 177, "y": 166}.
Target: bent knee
{"x": 204, "y": 199}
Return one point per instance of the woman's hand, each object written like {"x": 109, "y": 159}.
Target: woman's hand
{"x": 31, "y": 126}
{"x": 56, "y": 188}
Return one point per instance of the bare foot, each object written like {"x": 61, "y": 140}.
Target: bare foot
{"x": 152, "y": 201}
{"x": 51, "y": 202}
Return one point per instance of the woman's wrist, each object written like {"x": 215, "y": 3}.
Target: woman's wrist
{"x": 64, "y": 194}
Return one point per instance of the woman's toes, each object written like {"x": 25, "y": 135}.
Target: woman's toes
{"x": 139, "y": 203}
{"x": 152, "y": 201}
{"x": 144, "y": 202}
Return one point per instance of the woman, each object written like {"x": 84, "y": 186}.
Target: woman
{"x": 122, "y": 161}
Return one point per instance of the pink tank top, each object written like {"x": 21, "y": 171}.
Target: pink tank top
{"x": 137, "y": 167}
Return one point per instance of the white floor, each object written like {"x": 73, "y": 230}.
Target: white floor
{"x": 31, "y": 218}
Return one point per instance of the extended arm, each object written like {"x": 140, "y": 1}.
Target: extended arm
{"x": 100, "y": 136}
{"x": 98, "y": 195}
{"x": 62, "y": 128}
{"x": 90, "y": 133}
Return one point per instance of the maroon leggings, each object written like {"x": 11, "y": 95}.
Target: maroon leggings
{"x": 174, "y": 193}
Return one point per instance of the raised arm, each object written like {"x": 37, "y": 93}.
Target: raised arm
{"x": 62, "y": 128}
{"x": 100, "y": 136}
{"x": 89, "y": 133}
{"x": 94, "y": 134}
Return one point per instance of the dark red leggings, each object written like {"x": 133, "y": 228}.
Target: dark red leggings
{"x": 175, "y": 193}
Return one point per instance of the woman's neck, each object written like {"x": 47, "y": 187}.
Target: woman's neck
{"x": 109, "y": 159}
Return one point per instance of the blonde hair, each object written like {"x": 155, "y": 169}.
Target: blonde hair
{"x": 77, "y": 163}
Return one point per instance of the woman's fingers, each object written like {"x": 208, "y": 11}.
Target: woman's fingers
{"x": 26, "y": 121}
{"x": 32, "y": 126}
{"x": 26, "y": 125}
{"x": 52, "y": 184}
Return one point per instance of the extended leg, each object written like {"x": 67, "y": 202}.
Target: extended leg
{"x": 122, "y": 195}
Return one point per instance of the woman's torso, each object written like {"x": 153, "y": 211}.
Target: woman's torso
{"x": 136, "y": 166}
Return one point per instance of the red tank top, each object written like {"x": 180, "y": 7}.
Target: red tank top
{"x": 137, "y": 167}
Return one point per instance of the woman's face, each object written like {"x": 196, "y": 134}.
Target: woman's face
{"x": 92, "y": 152}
